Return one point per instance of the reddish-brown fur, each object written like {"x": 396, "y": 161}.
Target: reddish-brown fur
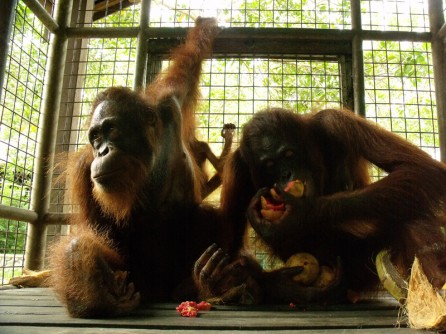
{"x": 140, "y": 223}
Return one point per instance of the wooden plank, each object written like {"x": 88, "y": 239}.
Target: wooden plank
{"x": 261, "y": 47}
{"x": 208, "y": 321}
{"x": 380, "y": 302}
{"x": 38, "y": 311}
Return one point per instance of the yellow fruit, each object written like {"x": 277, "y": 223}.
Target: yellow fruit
{"x": 310, "y": 266}
{"x": 271, "y": 214}
{"x": 263, "y": 202}
{"x": 271, "y": 211}
{"x": 295, "y": 188}
{"x": 325, "y": 278}
{"x": 275, "y": 195}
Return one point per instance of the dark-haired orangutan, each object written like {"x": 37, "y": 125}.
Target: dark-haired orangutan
{"x": 337, "y": 214}
{"x": 140, "y": 225}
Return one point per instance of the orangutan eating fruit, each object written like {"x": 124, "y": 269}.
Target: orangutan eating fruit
{"x": 273, "y": 209}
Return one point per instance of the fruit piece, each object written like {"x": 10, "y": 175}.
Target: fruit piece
{"x": 263, "y": 202}
{"x": 310, "y": 266}
{"x": 188, "y": 309}
{"x": 325, "y": 278}
{"x": 275, "y": 195}
{"x": 390, "y": 277}
{"x": 204, "y": 306}
{"x": 271, "y": 211}
{"x": 267, "y": 205}
{"x": 271, "y": 214}
{"x": 295, "y": 188}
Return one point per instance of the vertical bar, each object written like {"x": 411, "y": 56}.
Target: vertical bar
{"x": 154, "y": 65}
{"x": 358, "y": 59}
{"x": 36, "y": 238}
{"x": 436, "y": 21}
{"x": 6, "y": 19}
{"x": 347, "y": 91}
{"x": 141, "y": 51}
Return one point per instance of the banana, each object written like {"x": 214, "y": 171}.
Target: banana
{"x": 390, "y": 277}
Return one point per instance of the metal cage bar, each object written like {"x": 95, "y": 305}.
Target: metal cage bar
{"x": 141, "y": 52}
{"x": 437, "y": 23}
{"x": 358, "y": 59}
{"x": 36, "y": 239}
{"x": 6, "y": 15}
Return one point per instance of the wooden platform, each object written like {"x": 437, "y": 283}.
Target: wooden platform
{"x": 36, "y": 310}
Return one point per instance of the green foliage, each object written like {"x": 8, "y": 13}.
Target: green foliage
{"x": 399, "y": 90}
{"x": 12, "y": 236}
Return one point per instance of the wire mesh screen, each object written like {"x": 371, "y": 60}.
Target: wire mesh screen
{"x": 395, "y": 15}
{"x": 19, "y": 119}
{"x": 234, "y": 89}
{"x": 98, "y": 64}
{"x": 400, "y": 91}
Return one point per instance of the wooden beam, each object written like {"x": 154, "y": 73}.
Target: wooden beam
{"x": 436, "y": 21}
{"x": 261, "y": 47}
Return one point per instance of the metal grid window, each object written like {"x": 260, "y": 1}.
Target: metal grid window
{"x": 395, "y": 15}
{"x": 98, "y": 64}
{"x": 19, "y": 119}
{"x": 233, "y": 89}
{"x": 399, "y": 90}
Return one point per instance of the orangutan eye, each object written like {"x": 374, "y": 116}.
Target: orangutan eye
{"x": 93, "y": 136}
